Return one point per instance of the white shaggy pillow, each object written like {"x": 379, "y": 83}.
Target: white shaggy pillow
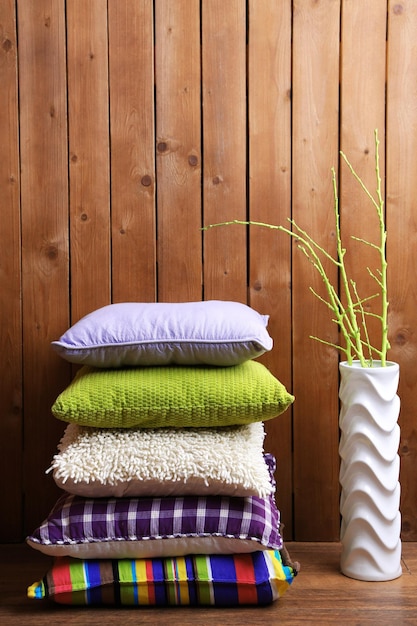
{"x": 94, "y": 462}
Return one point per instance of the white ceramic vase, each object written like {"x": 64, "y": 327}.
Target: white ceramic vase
{"x": 369, "y": 472}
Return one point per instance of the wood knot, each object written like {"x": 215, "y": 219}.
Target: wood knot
{"x": 7, "y": 45}
{"x": 193, "y": 160}
{"x": 51, "y": 252}
{"x": 406, "y": 526}
{"x": 146, "y": 180}
{"x": 398, "y": 9}
{"x": 401, "y": 337}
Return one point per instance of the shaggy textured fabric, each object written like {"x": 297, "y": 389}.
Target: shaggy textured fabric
{"x": 162, "y": 461}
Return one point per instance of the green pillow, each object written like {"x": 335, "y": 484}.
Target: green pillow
{"x": 172, "y": 396}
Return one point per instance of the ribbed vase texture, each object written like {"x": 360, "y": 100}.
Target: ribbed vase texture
{"x": 369, "y": 472}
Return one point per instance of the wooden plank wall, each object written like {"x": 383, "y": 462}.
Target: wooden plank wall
{"x": 127, "y": 125}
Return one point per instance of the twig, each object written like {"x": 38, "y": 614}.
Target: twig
{"x": 352, "y": 317}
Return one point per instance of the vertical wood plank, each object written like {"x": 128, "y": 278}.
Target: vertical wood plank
{"x": 178, "y": 149}
{"x": 315, "y": 145}
{"x": 363, "y": 36}
{"x": 44, "y": 206}
{"x": 224, "y": 140}
{"x": 10, "y": 281}
{"x": 402, "y": 237}
{"x": 269, "y": 104}
{"x": 89, "y": 155}
{"x": 132, "y": 150}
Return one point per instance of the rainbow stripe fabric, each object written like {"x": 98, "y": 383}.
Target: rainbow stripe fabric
{"x": 257, "y": 578}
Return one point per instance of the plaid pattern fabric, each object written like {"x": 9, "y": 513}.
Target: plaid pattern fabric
{"x": 78, "y": 520}
{"x": 222, "y": 580}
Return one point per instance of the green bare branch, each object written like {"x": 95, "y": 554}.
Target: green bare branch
{"x": 351, "y": 317}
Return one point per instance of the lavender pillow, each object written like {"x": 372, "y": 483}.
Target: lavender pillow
{"x": 211, "y": 332}
{"x": 155, "y": 527}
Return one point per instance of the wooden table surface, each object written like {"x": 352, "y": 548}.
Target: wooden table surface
{"x": 319, "y": 595}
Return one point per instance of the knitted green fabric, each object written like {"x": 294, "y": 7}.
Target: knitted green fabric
{"x": 172, "y": 396}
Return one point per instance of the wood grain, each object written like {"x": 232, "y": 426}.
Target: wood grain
{"x": 224, "y": 140}
{"x": 44, "y": 211}
{"x": 178, "y": 149}
{"x": 89, "y": 176}
{"x": 11, "y": 392}
{"x": 363, "y": 35}
{"x": 315, "y": 382}
{"x": 269, "y": 87}
{"x": 133, "y": 184}
{"x": 402, "y": 237}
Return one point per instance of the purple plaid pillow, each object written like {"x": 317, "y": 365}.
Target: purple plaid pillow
{"x": 150, "y": 527}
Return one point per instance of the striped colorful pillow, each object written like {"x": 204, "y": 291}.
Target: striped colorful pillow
{"x": 258, "y": 578}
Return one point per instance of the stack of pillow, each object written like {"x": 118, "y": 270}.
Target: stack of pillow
{"x": 168, "y": 495}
